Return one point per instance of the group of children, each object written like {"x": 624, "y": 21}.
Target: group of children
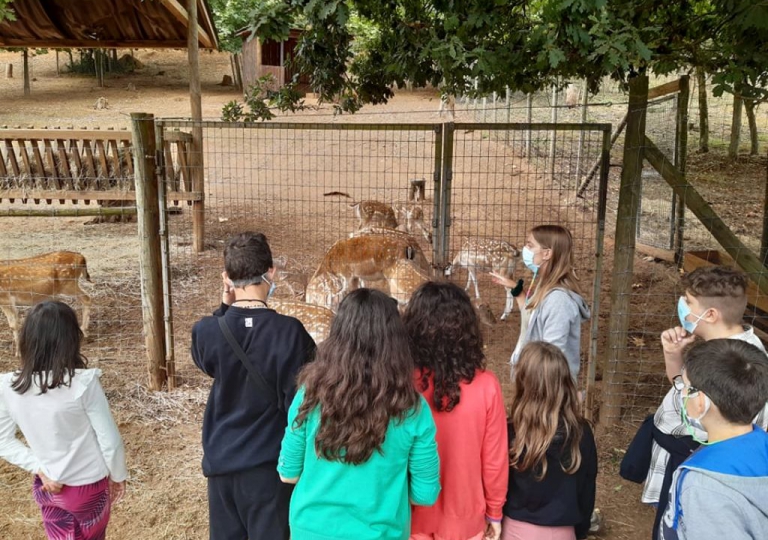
{"x": 393, "y": 428}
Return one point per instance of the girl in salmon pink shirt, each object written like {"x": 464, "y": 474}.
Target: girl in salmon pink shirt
{"x": 468, "y": 409}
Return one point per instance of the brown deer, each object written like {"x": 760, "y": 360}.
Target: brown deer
{"x": 404, "y": 277}
{"x": 316, "y": 319}
{"x": 487, "y": 255}
{"x": 351, "y": 261}
{"x": 25, "y": 282}
{"x": 408, "y": 217}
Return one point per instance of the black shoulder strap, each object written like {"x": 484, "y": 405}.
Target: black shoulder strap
{"x": 257, "y": 377}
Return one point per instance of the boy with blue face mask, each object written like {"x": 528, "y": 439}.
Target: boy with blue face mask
{"x": 721, "y": 491}
{"x": 253, "y": 355}
{"x": 712, "y": 307}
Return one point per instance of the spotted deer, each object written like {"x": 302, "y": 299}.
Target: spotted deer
{"x": 408, "y": 217}
{"x": 487, "y": 255}
{"x": 316, "y": 319}
{"x": 26, "y": 282}
{"x": 403, "y": 278}
{"x": 351, "y": 261}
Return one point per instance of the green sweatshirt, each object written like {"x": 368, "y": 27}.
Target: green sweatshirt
{"x": 371, "y": 501}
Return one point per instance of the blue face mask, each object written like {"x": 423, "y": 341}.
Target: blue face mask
{"x": 683, "y": 311}
{"x": 528, "y": 260}
{"x": 272, "y": 285}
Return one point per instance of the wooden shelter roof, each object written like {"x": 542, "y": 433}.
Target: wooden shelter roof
{"x": 105, "y": 24}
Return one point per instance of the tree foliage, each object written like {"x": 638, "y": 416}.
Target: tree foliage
{"x": 475, "y": 47}
{"x": 5, "y": 11}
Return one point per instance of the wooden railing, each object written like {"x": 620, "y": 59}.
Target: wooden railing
{"x": 84, "y": 165}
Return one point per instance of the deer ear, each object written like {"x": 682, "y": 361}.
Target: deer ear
{"x": 410, "y": 253}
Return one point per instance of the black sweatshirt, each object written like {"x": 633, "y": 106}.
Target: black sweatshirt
{"x": 559, "y": 499}
{"x": 242, "y": 428}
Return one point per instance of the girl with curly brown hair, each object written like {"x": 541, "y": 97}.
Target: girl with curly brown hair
{"x": 553, "y": 458}
{"x": 360, "y": 441}
{"x": 468, "y": 408}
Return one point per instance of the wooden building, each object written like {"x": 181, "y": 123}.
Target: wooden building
{"x": 267, "y": 57}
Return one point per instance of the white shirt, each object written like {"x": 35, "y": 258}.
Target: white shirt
{"x": 72, "y": 436}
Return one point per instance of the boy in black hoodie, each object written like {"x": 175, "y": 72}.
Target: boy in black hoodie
{"x": 246, "y": 415}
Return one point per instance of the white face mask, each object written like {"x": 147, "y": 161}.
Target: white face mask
{"x": 692, "y": 424}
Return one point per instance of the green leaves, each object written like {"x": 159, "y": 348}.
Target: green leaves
{"x": 6, "y": 13}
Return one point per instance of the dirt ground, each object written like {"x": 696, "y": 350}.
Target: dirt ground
{"x": 273, "y": 181}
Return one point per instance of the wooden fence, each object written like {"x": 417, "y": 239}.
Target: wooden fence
{"x": 85, "y": 165}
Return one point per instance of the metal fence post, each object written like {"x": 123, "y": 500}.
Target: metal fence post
{"x": 437, "y": 222}
{"x": 147, "y": 204}
{"x": 553, "y": 135}
{"x": 528, "y": 119}
{"x": 170, "y": 357}
{"x": 681, "y": 156}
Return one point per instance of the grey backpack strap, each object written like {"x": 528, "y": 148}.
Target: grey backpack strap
{"x": 256, "y": 376}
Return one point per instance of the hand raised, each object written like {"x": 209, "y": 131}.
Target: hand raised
{"x": 674, "y": 340}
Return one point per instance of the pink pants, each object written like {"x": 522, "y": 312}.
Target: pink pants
{"x": 436, "y": 537}
{"x": 76, "y": 512}
{"x": 520, "y": 530}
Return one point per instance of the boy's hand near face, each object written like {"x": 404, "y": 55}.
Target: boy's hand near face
{"x": 673, "y": 342}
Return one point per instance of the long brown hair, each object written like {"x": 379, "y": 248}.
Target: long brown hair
{"x": 545, "y": 409}
{"x": 49, "y": 346}
{"x": 558, "y": 270}
{"x": 361, "y": 379}
{"x": 446, "y": 340}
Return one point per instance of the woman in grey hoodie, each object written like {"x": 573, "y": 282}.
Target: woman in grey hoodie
{"x": 553, "y": 309}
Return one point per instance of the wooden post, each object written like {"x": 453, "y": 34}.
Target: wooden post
{"x": 553, "y": 135}
{"x": 196, "y": 156}
{"x": 681, "y": 157}
{"x": 509, "y": 111}
{"x": 144, "y": 165}
{"x": 58, "y": 70}
{"x": 624, "y": 250}
{"x": 9, "y": 71}
{"x": 579, "y": 155}
{"x": 25, "y": 55}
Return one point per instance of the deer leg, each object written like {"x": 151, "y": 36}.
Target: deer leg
{"x": 86, "y": 300}
{"x": 510, "y": 304}
{"x": 473, "y": 277}
{"x": 11, "y": 314}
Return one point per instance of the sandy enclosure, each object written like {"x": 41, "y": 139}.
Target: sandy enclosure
{"x": 273, "y": 180}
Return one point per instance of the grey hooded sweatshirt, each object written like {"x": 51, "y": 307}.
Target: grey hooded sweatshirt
{"x": 557, "y": 320}
{"x": 721, "y": 492}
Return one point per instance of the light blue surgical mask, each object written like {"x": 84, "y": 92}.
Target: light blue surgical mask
{"x": 272, "y": 285}
{"x": 528, "y": 260}
{"x": 682, "y": 313}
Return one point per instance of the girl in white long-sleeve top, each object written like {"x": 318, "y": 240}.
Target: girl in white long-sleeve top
{"x": 74, "y": 448}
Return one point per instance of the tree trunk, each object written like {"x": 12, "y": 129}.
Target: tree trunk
{"x": 754, "y": 144}
{"x": 733, "y": 148}
{"x": 701, "y": 82}
{"x": 27, "y": 90}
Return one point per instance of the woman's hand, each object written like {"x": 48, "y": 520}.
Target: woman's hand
{"x": 49, "y": 486}
{"x": 228, "y": 292}
{"x": 502, "y": 280}
{"x": 116, "y": 491}
{"x": 492, "y": 530}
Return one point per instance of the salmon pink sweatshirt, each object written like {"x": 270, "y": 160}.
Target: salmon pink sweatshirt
{"x": 474, "y": 461}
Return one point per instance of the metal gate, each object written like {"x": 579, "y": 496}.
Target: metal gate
{"x": 295, "y": 181}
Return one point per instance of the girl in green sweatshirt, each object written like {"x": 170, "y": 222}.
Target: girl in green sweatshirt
{"x": 360, "y": 442}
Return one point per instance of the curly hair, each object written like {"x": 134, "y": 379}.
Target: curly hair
{"x": 545, "y": 409}
{"x": 446, "y": 340}
{"x": 361, "y": 379}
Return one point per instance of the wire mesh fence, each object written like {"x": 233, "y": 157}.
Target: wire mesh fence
{"x": 306, "y": 187}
